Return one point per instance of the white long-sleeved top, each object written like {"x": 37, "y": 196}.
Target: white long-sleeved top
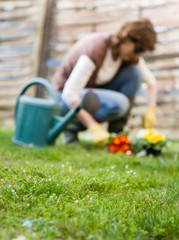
{"x": 85, "y": 67}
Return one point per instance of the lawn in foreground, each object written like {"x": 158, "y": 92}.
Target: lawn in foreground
{"x": 82, "y": 192}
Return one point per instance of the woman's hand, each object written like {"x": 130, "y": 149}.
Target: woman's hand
{"x": 99, "y": 134}
{"x": 149, "y": 117}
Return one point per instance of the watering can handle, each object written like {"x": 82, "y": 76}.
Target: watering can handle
{"x": 42, "y": 81}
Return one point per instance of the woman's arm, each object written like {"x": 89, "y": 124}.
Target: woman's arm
{"x": 150, "y": 115}
{"x": 151, "y": 82}
{"x": 77, "y": 80}
{"x": 152, "y": 94}
{"x": 75, "y": 83}
{"x": 85, "y": 117}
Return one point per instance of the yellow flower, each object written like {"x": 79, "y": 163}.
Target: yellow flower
{"x": 153, "y": 136}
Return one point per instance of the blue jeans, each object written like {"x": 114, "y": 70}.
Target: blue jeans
{"x": 114, "y": 96}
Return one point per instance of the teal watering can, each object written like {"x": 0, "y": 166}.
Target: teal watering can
{"x": 38, "y": 120}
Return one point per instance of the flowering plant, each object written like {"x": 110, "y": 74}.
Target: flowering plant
{"x": 149, "y": 141}
{"x": 119, "y": 143}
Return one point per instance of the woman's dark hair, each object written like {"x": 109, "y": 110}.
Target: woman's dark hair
{"x": 141, "y": 32}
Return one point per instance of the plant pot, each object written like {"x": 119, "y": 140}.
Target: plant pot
{"x": 153, "y": 152}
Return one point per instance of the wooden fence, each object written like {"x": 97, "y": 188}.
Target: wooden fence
{"x": 21, "y": 31}
{"x": 66, "y": 22}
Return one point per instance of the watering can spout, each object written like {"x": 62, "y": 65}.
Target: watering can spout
{"x": 59, "y": 123}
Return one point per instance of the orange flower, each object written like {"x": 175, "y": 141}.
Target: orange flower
{"x": 125, "y": 147}
{"x": 123, "y": 138}
{"x": 113, "y": 148}
{"x": 119, "y": 143}
{"x": 116, "y": 141}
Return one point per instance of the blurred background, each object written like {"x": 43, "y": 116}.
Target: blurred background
{"x": 36, "y": 34}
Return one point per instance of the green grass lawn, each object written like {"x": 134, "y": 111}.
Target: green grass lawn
{"x": 82, "y": 192}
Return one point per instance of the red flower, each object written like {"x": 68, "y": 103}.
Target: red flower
{"x": 119, "y": 143}
{"x": 125, "y": 147}
{"x": 116, "y": 140}
{"x": 113, "y": 148}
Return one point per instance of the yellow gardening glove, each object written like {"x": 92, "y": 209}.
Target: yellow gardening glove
{"x": 99, "y": 134}
{"x": 149, "y": 117}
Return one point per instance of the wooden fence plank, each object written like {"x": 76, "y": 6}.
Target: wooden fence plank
{"x": 21, "y": 26}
